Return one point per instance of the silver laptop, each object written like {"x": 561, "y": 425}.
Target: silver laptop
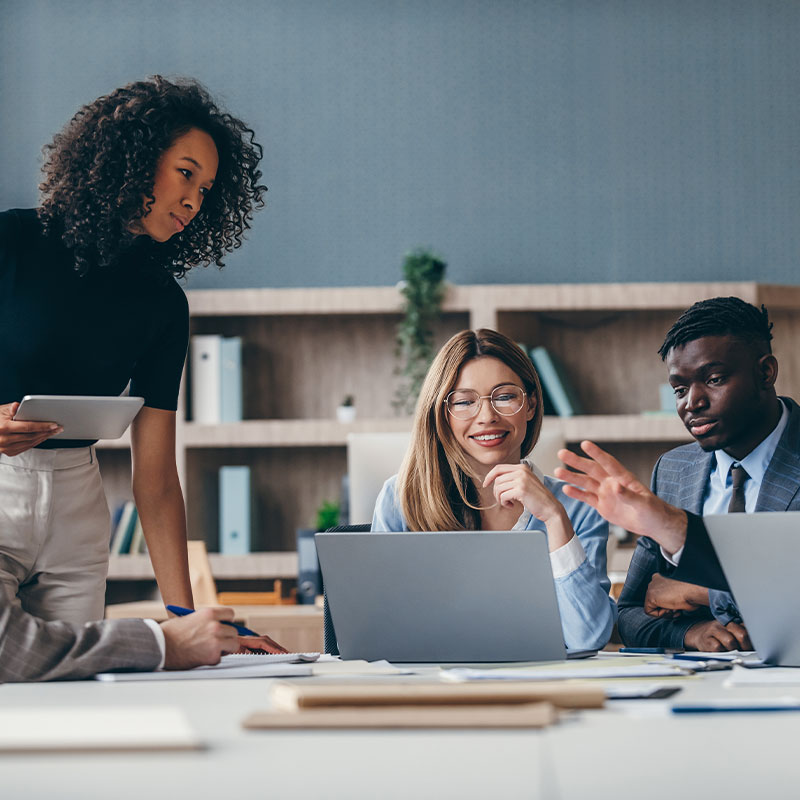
{"x": 465, "y": 596}
{"x": 760, "y": 554}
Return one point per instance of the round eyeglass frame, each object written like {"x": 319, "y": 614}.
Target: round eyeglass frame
{"x": 490, "y": 397}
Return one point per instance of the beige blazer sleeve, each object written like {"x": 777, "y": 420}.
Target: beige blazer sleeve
{"x": 34, "y": 650}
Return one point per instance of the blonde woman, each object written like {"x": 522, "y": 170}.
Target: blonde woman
{"x": 479, "y": 413}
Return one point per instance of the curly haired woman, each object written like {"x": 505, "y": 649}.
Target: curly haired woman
{"x": 140, "y": 186}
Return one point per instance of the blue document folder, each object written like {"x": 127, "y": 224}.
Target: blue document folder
{"x": 234, "y": 510}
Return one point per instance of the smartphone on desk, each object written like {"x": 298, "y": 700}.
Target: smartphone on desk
{"x": 81, "y": 416}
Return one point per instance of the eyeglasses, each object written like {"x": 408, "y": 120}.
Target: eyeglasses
{"x": 466, "y": 403}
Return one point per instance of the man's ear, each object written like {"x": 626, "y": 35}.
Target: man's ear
{"x": 767, "y": 371}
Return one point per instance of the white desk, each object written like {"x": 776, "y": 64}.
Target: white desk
{"x": 596, "y": 754}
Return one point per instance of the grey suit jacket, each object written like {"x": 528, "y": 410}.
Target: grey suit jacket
{"x": 34, "y": 650}
{"x": 681, "y": 478}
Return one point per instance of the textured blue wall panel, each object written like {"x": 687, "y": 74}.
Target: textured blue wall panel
{"x": 524, "y": 141}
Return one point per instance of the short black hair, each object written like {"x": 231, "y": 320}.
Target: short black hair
{"x": 720, "y": 316}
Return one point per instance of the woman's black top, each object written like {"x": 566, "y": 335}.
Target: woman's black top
{"x": 65, "y": 333}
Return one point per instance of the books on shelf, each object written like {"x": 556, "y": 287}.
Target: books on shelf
{"x": 127, "y": 537}
{"x": 216, "y": 363}
{"x": 555, "y": 383}
{"x": 230, "y": 402}
{"x": 234, "y": 510}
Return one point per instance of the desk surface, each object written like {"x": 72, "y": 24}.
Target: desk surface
{"x": 608, "y": 753}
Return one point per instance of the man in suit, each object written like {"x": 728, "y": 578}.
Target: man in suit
{"x": 34, "y": 650}
{"x": 746, "y": 457}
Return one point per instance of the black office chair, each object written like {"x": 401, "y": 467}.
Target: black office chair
{"x": 329, "y": 633}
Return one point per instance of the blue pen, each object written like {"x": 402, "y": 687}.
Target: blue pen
{"x": 179, "y": 611}
{"x": 734, "y": 708}
{"x": 650, "y": 651}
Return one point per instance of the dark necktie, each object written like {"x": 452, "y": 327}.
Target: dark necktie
{"x": 738, "y": 476}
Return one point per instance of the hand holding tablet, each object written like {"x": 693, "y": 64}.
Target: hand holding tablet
{"x": 81, "y": 416}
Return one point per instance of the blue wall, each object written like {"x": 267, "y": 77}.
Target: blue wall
{"x": 525, "y": 141}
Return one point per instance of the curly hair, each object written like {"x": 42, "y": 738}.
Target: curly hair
{"x": 100, "y": 170}
{"x": 720, "y": 316}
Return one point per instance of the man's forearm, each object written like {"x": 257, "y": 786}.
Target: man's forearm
{"x": 638, "y": 629}
{"x": 671, "y": 527}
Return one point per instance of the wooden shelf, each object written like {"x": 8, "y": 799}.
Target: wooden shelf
{"x": 305, "y": 349}
{"x": 286, "y": 432}
{"x": 623, "y": 428}
{"x": 527, "y": 297}
{"x": 250, "y": 566}
{"x": 330, "y": 433}
{"x": 347, "y": 300}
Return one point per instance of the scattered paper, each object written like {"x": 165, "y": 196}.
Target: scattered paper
{"x": 548, "y": 674}
{"x": 333, "y": 666}
{"x": 769, "y": 676}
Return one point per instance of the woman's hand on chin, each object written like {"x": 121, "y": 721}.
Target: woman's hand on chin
{"x": 517, "y": 482}
{"x": 510, "y": 482}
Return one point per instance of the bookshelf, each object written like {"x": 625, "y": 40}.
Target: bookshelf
{"x": 305, "y": 349}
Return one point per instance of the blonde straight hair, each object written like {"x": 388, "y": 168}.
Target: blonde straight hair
{"x": 434, "y": 484}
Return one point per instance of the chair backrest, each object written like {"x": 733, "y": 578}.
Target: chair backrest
{"x": 371, "y": 459}
{"x": 551, "y": 440}
{"x": 329, "y": 633}
{"x": 204, "y": 588}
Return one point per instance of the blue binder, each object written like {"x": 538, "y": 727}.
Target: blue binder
{"x": 230, "y": 379}
{"x": 234, "y": 510}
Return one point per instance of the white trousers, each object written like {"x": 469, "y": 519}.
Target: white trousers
{"x": 54, "y": 533}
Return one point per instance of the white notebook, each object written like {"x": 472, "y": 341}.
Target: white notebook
{"x": 247, "y": 665}
{"x": 111, "y": 728}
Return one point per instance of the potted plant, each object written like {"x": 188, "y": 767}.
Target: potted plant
{"x": 328, "y": 515}
{"x": 423, "y": 293}
{"x": 309, "y": 576}
{"x": 346, "y": 410}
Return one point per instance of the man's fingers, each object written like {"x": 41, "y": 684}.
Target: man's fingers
{"x": 726, "y": 639}
{"x": 714, "y": 645}
{"x": 609, "y": 464}
{"x": 227, "y": 637}
{"x": 590, "y": 498}
{"x": 740, "y": 633}
{"x": 584, "y": 465}
{"x": 262, "y": 642}
{"x": 586, "y": 482}
{"x": 273, "y": 644}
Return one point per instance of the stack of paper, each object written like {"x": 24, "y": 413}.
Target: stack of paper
{"x": 110, "y": 728}
{"x": 415, "y": 703}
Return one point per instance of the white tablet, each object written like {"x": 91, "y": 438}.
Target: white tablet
{"x": 81, "y": 416}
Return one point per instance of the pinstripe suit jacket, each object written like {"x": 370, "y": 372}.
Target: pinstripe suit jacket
{"x": 34, "y": 650}
{"x": 681, "y": 477}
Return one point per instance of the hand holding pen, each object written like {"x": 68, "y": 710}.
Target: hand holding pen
{"x": 248, "y": 641}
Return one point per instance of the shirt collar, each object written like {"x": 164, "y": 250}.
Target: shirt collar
{"x": 755, "y": 463}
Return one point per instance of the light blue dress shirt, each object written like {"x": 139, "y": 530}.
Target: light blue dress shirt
{"x": 718, "y": 498}
{"x": 587, "y": 611}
